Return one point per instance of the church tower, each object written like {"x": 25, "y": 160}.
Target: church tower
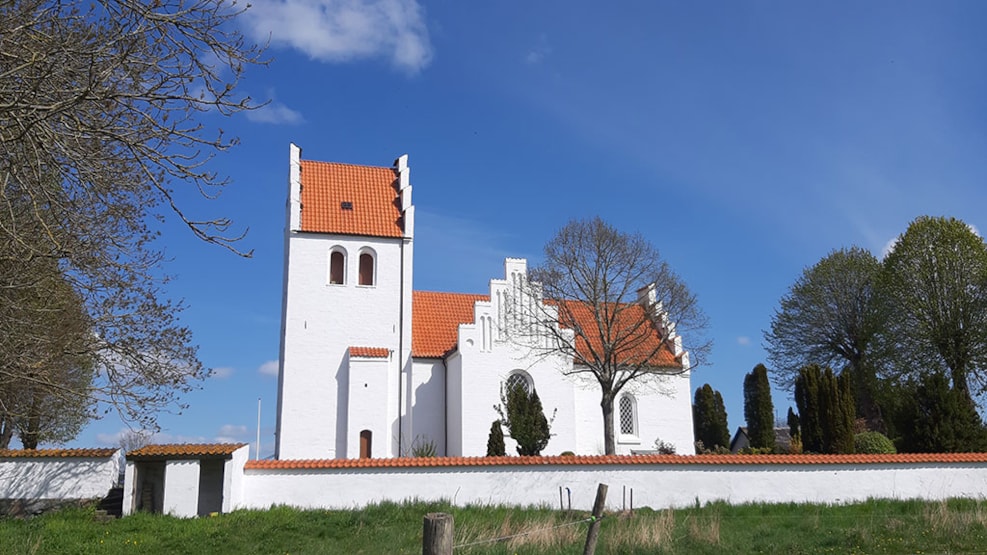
{"x": 346, "y": 310}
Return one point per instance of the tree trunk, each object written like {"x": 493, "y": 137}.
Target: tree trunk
{"x": 606, "y": 404}
{"x": 6, "y": 432}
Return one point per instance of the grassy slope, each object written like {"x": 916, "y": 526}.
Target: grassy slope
{"x": 872, "y": 527}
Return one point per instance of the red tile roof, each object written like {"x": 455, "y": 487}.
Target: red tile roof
{"x": 185, "y": 450}
{"x": 370, "y": 352}
{"x": 56, "y": 453}
{"x": 408, "y": 462}
{"x": 435, "y": 319}
{"x": 640, "y": 341}
{"x": 371, "y": 192}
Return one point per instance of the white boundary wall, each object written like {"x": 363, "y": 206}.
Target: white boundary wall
{"x": 656, "y": 486}
{"x": 32, "y": 478}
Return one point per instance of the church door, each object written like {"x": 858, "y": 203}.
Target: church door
{"x": 366, "y": 437}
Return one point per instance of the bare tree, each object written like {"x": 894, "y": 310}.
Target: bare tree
{"x": 615, "y": 308}
{"x": 100, "y": 106}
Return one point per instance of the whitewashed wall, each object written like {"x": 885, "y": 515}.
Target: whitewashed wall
{"x": 58, "y": 478}
{"x": 656, "y": 486}
{"x": 181, "y": 488}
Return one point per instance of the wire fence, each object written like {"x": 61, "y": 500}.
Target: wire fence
{"x": 526, "y": 533}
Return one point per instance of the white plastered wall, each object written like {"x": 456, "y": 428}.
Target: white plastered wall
{"x": 368, "y": 381}
{"x": 322, "y": 321}
{"x": 181, "y": 488}
{"x": 428, "y": 403}
{"x": 58, "y": 478}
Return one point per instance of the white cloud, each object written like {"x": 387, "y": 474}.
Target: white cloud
{"x": 538, "y": 54}
{"x": 276, "y": 113}
{"x": 743, "y": 340}
{"x": 269, "y": 368}
{"x": 346, "y": 30}
{"x": 222, "y": 372}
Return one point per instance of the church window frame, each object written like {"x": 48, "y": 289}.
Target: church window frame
{"x": 367, "y": 269}
{"x": 337, "y": 266}
{"x": 519, "y": 376}
{"x": 628, "y": 423}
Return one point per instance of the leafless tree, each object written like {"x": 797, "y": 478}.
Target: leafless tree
{"x": 615, "y": 308}
{"x": 100, "y": 105}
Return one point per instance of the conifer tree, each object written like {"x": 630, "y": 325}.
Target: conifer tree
{"x": 937, "y": 418}
{"x": 710, "y": 418}
{"x": 495, "y": 441}
{"x": 807, "y": 401}
{"x": 521, "y": 412}
{"x": 758, "y": 408}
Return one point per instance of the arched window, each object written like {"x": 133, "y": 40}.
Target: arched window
{"x": 337, "y": 267}
{"x": 628, "y": 416}
{"x": 367, "y": 268}
{"x": 518, "y": 378}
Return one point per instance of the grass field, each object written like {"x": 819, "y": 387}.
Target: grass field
{"x": 958, "y": 526}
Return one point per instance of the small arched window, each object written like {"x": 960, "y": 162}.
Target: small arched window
{"x": 337, "y": 267}
{"x": 366, "y": 268}
{"x": 628, "y": 418}
{"x": 518, "y": 378}
{"x": 366, "y": 444}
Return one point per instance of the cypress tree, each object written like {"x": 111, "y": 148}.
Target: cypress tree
{"x": 845, "y": 416}
{"x": 807, "y": 401}
{"x": 521, "y": 412}
{"x": 721, "y": 429}
{"x": 758, "y": 408}
{"x": 794, "y": 431}
{"x": 709, "y": 418}
{"x": 937, "y": 418}
{"x": 495, "y": 441}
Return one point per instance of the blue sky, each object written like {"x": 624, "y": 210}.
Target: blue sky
{"x": 746, "y": 140}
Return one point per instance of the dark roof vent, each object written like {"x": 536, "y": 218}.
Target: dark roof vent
{"x": 346, "y": 205}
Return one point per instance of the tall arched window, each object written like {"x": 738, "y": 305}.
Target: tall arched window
{"x": 337, "y": 267}
{"x": 628, "y": 416}
{"x": 366, "y": 268}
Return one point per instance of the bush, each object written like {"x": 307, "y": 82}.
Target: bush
{"x": 664, "y": 447}
{"x": 567, "y": 454}
{"x": 495, "y": 441}
{"x": 874, "y": 443}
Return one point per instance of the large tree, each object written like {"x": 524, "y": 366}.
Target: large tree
{"x": 709, "y": 418}
{"x": 47, "y": 363}
{"x": 933, "y": 286}
{"x": 99, "y": 123}
{"x": 829, "y": 317}
{"x": 616, "y": 309}
{"x": 758, "y": 409}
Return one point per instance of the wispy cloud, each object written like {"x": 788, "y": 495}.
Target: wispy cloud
{"x": 743, "y": 340}
{"x": 222, "y": 372}
{"x": 231, "y": 433}
{"x": 540, "y": 51}
{"x": 346, "y": 30}
{"x": 276, "y": 113}
{"x": 269, "y": 368}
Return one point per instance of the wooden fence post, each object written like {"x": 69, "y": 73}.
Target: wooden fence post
{"x": 437, "y": 534}
{"x": 594, "y": 526}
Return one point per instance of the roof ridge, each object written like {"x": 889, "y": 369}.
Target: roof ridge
{"x": 305, "y": 161}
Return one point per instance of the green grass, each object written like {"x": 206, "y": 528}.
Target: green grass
{"x": 956, "y": 526}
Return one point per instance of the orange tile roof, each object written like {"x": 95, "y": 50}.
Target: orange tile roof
{"x": 435, "y": 319}
{"x": 409, "y": 462}
{"x": 643, "y": 342}
{"x": 56, "y": 453}
{"x": 370, "y": 352}
{"x": 371, "y": 191}
{"x": 185, "y": 450}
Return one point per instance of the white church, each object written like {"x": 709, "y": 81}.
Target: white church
{"x": 371, "y": 367}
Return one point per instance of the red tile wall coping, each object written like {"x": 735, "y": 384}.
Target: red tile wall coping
{"x": 178, "y": 450}
{"x": 103, "y": 453}
{"x": 621, "y": 460}
{"x": 369, "y": 352}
